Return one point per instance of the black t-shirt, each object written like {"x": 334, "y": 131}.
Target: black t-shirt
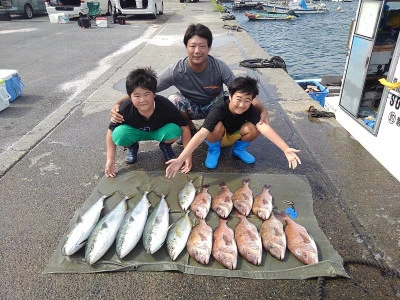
{"x": 164, "y": 112}
{"x": 232, "y": 122}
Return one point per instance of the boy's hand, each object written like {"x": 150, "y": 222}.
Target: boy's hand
{"x": 174, "y": 166}
{"x": 110, "y": 169}
{"x": 292, "y": 157}
{"x": 115, "y": 116}
{"x": 187, "y": 166}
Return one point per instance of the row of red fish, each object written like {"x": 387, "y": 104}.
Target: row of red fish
{"x": 225, "y": 244}
{"x": 225, "y": 200}
{"x": 222, "y": 244}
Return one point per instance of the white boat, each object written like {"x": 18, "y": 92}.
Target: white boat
{"x": 298, "y": 7}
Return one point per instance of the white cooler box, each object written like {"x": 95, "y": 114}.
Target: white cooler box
{"x": 13, "y": 83}
{"x": 4, "y": 96}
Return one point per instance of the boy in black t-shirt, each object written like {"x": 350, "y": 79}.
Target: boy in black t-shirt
{"x": 147, "y": 116}
{"x": 234, "y": 121}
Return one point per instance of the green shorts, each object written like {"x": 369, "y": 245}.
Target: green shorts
{"x": 125, "y": 135}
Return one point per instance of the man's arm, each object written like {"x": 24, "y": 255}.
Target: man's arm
{"x": 115, "y": 116}
{"x": 264, "y": 118}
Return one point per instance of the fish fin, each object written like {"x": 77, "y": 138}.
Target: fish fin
{"x": 311, "y": 238}
{"x": 253, "y": 236}
{"x": 227, "y": 239}
{"x": 306, "y": 238}
{"x": 227, "y": 199}
{"x": 79, "y": 220}
{"x": 265, "y": 201}
{"x": 278, "y": 232}
{"x": 131, "y": 219}
{"x": 104, "y": 225}
{"x": 204, "y": 200}
{"x": 202, "y": 236}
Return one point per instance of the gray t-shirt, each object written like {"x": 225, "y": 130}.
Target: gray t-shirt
{"x": 200, "y": 88}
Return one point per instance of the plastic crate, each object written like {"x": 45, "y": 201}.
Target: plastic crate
{"x": 317, "y": 96}
{"x": 13, "y": 82}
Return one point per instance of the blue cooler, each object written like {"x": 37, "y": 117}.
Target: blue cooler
{"x": 13, "y": 82}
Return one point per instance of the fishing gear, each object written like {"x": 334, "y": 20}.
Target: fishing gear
{"x": 273, "y": 62}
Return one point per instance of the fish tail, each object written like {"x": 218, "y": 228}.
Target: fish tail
{"x": 281, "y": 215}
{"x": 222, "y": 184}
{"x": 239, "y": 215}
{"x": 107, "y": 195}
{"x": 267, "y": 187}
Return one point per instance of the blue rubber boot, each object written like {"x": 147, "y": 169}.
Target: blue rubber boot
{"x": 214, "y": 150}
{"x": 239, "y": 151}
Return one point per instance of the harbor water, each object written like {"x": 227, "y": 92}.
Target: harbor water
{"x": 312, "y": 45}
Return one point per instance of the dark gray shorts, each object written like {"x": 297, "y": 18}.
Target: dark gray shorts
{"x": 194, "y": 110}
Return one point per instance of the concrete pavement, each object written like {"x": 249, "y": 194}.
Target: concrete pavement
{"x": 356, "y": 201}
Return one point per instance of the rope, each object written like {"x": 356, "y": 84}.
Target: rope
{"x": 385, "y": 269}
{"x": 347, "y": 261}
{"x": 273, "y": 62}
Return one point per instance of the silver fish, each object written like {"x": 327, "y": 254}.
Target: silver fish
{"x": 132, "y": 227}
{"x": 85, "y": 223}
{"x": 186, "y": 195}
{"x": 178, "y": 235}
{"x": 156, "y": 228}
{"x": 104, "y": 233}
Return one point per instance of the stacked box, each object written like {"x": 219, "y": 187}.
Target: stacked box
{"x": 13, "y": 83}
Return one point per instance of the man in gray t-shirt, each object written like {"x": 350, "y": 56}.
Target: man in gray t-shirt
{"x": 199, "y": 78}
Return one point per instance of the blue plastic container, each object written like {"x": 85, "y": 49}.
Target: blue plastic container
{"x": 13, "y": 83}
{"x": 317, "y": 96}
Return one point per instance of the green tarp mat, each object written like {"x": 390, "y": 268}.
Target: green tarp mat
{"x": 133, "y": 183}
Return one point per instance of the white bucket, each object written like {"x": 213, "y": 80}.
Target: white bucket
{"x": 63, "y": 19}
{"x": 53, "y": 18}
{"x": 101, "y": 22}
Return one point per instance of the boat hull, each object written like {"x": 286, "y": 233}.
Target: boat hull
{"x": 285, "y": 9}
{"x": 269, "y": 17}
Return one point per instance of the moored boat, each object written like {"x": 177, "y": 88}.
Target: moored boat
{"x": 298, "y": 7}
{"x": 265, "y": 16}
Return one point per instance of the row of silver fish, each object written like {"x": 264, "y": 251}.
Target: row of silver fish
{"x": 126, "y": 228}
